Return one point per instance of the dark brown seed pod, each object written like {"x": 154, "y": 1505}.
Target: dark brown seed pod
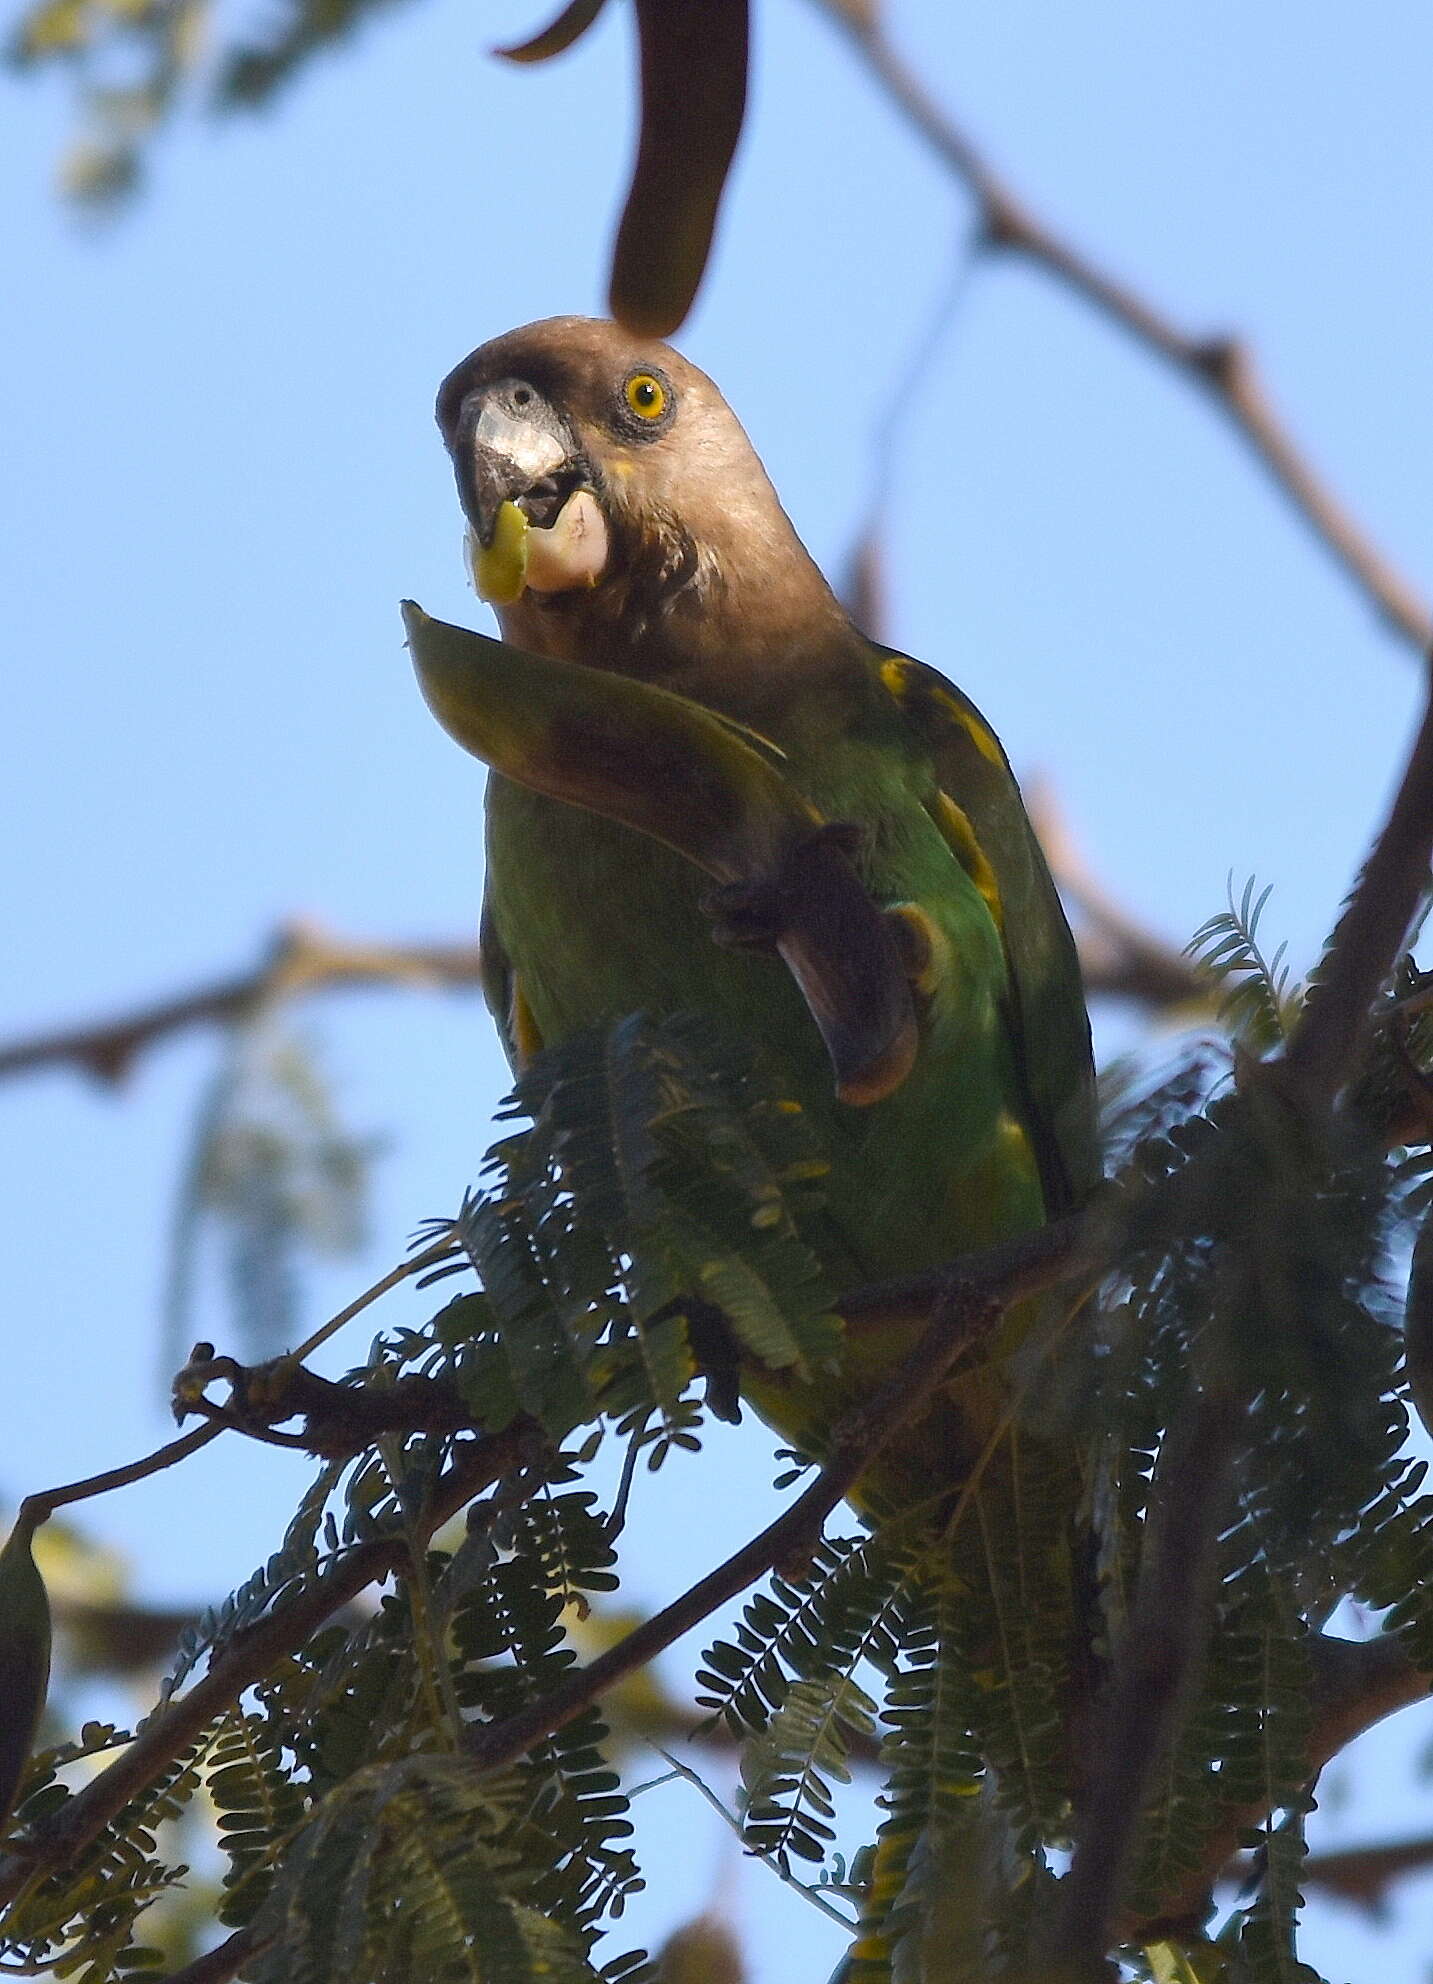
{"x": 24, "y": 1657}
{"x": 694, "y": 61}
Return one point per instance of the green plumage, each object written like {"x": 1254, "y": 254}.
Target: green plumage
{"x": 617, "y": 800}
{"x": 597, "y": 921}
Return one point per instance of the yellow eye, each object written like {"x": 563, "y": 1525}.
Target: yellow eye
{"x": 646, "y": 396}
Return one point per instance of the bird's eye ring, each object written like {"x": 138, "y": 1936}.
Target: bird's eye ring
{"x": 646, "y": 396}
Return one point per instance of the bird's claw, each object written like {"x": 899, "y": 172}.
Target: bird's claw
{"x": 752, "y": 915}
{"x": 748, "y": 916}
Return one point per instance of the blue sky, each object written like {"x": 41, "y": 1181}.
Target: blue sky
{"x": 221, "y": 475}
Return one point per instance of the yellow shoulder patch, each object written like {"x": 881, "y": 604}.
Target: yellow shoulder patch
{"x": 912, "y": 685}
{"x": 527, "y": 1041}
{"x": 959, "y": 837}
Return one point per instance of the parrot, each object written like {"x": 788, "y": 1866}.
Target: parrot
{"x": 619, "y": 519}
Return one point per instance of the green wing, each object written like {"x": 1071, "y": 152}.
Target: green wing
{"x": 984, "y": 818}
{"x": 504, "y": 995}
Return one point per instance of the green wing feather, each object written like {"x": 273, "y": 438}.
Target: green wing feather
{"x": 1047, "y": 1008}
{"x": 706, "y": 787}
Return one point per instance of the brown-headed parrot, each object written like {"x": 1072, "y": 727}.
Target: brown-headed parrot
{"x": 619, "y": 520}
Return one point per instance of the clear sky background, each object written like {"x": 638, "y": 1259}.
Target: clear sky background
{"x": 220, "y": 475}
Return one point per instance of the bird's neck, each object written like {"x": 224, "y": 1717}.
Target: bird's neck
{"x": 731, "y": 635}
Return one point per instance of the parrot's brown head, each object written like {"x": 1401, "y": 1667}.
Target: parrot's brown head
{"x": 617, "y": 513}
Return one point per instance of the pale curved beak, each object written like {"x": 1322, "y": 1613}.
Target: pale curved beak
{"x": 535, "y": 522}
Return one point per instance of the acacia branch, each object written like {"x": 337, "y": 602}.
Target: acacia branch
{"x": 1370, "y": 934}
{"x": 302, "y": 958}
{"x": 1364, "y": 1874}
{"x": 56, "y": 1841}
{"x": 969, "y": 1293}
{"x": 1158, "y": 1662}
{"x": 1222, "y": 368}
{"x": 1356, "y": 1684}
{"x": 38, "y": 1508}
{"x": 972, "y": 1297}
{"x": 1174, "y": 1602}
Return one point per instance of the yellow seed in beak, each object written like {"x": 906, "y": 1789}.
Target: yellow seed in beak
{"x": 500, "y": 568}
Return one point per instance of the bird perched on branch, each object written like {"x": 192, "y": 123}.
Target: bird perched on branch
{"x": 619, "y": 519}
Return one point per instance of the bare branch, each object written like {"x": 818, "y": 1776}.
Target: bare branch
{"x": 1221, "y": 367}
{"x": 1364, "y": 1874}
{"x": 302, "y": 958}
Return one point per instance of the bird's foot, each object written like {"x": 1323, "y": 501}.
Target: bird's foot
{"x": 753, "y": 915}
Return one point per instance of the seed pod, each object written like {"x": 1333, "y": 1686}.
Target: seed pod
{"x": 694, "y": 58}
{"x": 24, "y": 1658}
{"x": 702, "y": 1952}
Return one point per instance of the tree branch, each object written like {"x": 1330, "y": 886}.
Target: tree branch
{"x": 38, "y": 1508}
{"x": 1357, "y": 1683}
{"x": 1222, "y": 368}
{"x": 972, "y": 1297}
{"x": 176, "y": 1723}
{"x": 1164, "y": 1643}
{"x": 1158, "y": 1660}
{"x": 1370, "y": 934}
{"x": 302, "y": 958}
{"x": 1364, "y": 1874}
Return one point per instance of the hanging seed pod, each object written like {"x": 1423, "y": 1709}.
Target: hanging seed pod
{"x": 694, "y": 59}
{"x": 24, "y": 1657}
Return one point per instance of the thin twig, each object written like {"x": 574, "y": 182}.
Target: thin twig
{"x": 1220, "y": 367}
{"x": 426, "y": 1258}
{"x": 968, "y": 1304}
{"x": 302, "y": 958}
{"x": 769, "y": 1860}
{"x": 1364, "y": 1874}
{"x": 38, "y": 1508}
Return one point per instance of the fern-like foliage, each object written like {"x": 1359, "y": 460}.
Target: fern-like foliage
{"x": 82, "y": 1919}
{"x": 403, "y": 1873}
{"x": 650, "y": 1224}
{"x": 1258, "y": 1003}
{"x": 645, "y": 1230}
{"x": 260, "y": 1807}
